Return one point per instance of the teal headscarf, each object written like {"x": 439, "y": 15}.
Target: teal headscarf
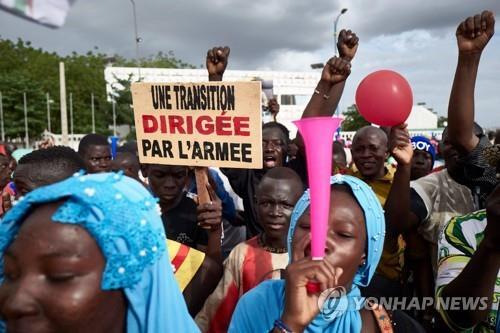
{"x": 123, "y": 218}
{"x": 259, "y": 308}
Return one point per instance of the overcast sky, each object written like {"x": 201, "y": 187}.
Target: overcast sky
{"x": 415, "y": 38}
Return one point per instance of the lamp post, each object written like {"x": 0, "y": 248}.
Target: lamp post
{"x": 71, "y": 115}
{"x": 93, "y": 111}
{"x": 64, "y": 114}
{"x": 114, "y": 118}
{"x": 49, "y": 101}
{"x": 335, "y": 27}
{"x": 1, "y": 117}
{"x": 26, "y": 134}
{"x": 342, "y": 11}
{"x": 137, "y": 41}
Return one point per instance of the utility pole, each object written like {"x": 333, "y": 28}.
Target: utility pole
{"x": 93, "y": 112}
{"x": 64, "y": 114}
{"x": 48, "y": 113}
{"x": 335, "y": 39}
{"x": 114, "y": 118}
{"x": 1, "y": 116}
{"x": 137, "y": 41}
{"x": 26, "y": 134}
{"x": 71, "y": 114}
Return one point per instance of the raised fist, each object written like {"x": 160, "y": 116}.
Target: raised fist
{"x": 475, "y": 32}
{"x": 347, "y": 44}
{"x": 336, "y": 70}
{"x": 216, "y": 61}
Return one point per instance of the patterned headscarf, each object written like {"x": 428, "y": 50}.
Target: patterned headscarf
{"x": 123, "y": 218}
{"x": 492, "y": 156}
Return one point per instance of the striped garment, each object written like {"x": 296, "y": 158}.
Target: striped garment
{"x": 444, "y": 199}
{"x": 248, "y": 264}
{"x": 185, "y": 262}
{"x": 457, "y": 244}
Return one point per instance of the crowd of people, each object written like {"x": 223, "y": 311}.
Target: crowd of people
{"x": 91, "y": 242}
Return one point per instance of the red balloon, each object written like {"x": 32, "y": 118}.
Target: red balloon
{"x": 384, "y": 98}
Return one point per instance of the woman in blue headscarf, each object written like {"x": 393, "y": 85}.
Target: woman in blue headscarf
{"x": 354, "y": 244}
{"x": 88, "y": 255}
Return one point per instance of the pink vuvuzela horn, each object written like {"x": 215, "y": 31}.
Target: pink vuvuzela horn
{"x": 317, "y": 133}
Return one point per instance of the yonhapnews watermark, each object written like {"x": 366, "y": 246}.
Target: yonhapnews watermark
{"x": 334, "y": 302}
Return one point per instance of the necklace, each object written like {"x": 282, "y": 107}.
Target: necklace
{"x": 270, "y": 248}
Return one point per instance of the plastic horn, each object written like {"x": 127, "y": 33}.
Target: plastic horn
{"x": 114, "y": 146}
{"x": 317, "y": 133}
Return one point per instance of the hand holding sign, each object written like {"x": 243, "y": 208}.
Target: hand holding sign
{"x": 216, "y": 62}
{"x": 210, "y": 213}
{"x": 347, "y": 44}
{"x": 336, "y": 70}
{"x": 475, "y": 32}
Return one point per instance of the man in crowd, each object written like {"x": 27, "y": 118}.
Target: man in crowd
{"x": 96, "y": 153}
{"x": 40, "y": 168}
{"x": 370, "y": 150}
{"x": 424, "y": 155}
{"x": 261, "y": 257}
{"x": 128, "y": 163}
{"x": 275, "y": 137}
{"x": 469, "y": 258}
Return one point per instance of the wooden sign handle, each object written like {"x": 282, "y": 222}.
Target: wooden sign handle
{"x": 201, "y": 174}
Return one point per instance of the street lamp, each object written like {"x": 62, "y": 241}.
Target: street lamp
{"x": 335, "y": 27}
{"x": 342, "y": 11}
{"x": 318, "y": 65}
{"x": 137, "y": 41}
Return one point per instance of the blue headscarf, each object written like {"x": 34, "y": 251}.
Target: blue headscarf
{"x": 124, "y": 219}
{"x": 260, "y": 307}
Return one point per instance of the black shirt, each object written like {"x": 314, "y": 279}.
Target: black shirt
{"x": 244, "y": 183}
{"x": 181, "y": 224}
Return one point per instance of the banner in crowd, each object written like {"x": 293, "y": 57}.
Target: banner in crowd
{"x": 215, "y": 124}
{"x": 51, "y": 13}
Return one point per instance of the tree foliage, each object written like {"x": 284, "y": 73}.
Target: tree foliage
{"x": 36, "y": 72}
{"x": 353, "y": 120}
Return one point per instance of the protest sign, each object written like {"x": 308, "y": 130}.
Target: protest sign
{"x": 215, "y": 124}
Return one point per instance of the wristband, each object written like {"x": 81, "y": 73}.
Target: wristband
{"x": 316, "y": 91}
{"x": 279, "y": 324}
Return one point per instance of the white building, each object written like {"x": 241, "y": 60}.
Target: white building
{"x": 292, "y": 90}
{"x": 422, "y": 118}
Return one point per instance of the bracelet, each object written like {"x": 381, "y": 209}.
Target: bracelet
{"x": 279, "y": 324}
{"x": 316, "y": 91}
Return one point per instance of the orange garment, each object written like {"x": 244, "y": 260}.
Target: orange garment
{"x": 248, "y": 264}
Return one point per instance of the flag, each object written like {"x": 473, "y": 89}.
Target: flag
{"x": 51, "y": 13}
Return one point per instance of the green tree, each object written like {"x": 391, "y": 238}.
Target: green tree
{"x": 13, "y": 107}
{"x": 36, "y": 72}
{"x": 353, "y": 120}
